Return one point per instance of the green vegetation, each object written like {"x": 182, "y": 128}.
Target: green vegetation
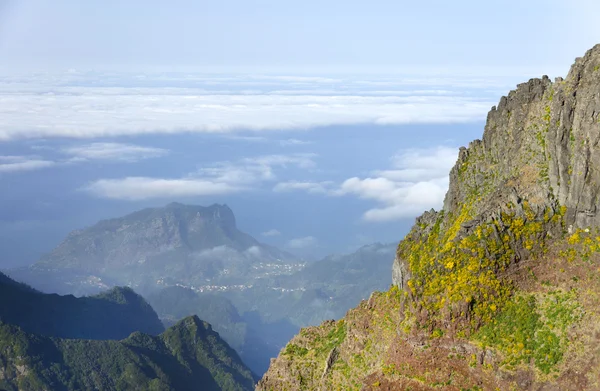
{"x": 185, "y": 356}
{"x": 457, "y": 277}
{"x": 295, "y": 350}
{"x": 247, "y": 335}
{"x": 111, "y": 315}
{"x": 528, "y": 329}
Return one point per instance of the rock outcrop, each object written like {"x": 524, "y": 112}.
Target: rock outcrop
{"x": 499, "y": 290}
{"x": 540, "y": 144}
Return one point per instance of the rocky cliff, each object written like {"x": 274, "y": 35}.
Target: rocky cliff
{"x": 499, "y": 290}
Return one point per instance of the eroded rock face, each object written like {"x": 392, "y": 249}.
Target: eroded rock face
{"x": 548, "y": 129}
{"x": 540, "y": 144}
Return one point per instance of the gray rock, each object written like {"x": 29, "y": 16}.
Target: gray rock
{"x": 540, "y": 145}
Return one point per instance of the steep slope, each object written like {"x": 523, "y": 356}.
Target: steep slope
{"x": 188, "y": 245}
{"x": 175, "y": 303}
{"x": 499, "y": 290}
{"x": 111, "y": 315}
{"x": 188, "y": 356}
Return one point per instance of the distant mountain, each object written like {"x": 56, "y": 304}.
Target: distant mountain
{"x": 322, "y": 290}
{"x": 189, "y": 356}
{"x": 111, "y": 315}
{"x": 178, "y": 244}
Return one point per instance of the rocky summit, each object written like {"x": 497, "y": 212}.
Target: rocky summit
{"x": 500, "y": 290}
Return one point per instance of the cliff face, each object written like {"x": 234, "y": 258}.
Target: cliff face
{"x": 542, "y": 141}
{"x": 499, "y": 290}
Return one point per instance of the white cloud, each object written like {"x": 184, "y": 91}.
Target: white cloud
{"x": 61, "y": 107}
{"x": 309, "y": 187}
{"x": 253, "y": 251}
{"x": 220, "y": 178}
{"x": 417, "y": 181}
{"x": 140, "y": 188}
{"x": 271, "y": 232}
{"x": 301, "y": 243}
{"x": 114, "y": 152}
{"x": 79, "y": 154}
{"x": 220, "y": 252}
{"x": 398, "y": 199}
{"x": 256, "y": 169}
{"x": 293, "y": 142}
{"x": 10, "y": 164}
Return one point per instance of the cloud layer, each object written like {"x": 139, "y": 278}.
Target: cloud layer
{"x": 140, "y": 188}
{"x": 113, "y": 152}
{"x": 417, "y": 181}
{"x": 76, "y": 154}
{"x": 220, "y": 178}
{"x": 69, "y": 106}
{"x": 10, "y": 164}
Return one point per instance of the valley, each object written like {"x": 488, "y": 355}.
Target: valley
{"x": 197, "y": 263}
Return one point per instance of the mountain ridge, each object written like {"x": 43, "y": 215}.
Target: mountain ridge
{"x": 64, "y": 343}
{"x": 499, "y": 290}
{"x": 188, "y": 356}
{"x": 113, "y": 314}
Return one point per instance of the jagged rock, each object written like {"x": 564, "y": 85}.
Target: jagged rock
{"x": 540, "y": 144}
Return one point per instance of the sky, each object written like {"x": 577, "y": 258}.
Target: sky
{"x": 323, "y": 125}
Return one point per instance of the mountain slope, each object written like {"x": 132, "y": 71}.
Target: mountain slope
{"x": 499, "y": 290}
{"x": 322, "y": 290}
{"x": 111, "y": 315}
{"x": 175, "y": 303}
{"x": 188, "y": 356}
{"x": 188, "y": 245}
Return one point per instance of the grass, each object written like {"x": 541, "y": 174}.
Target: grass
{"x": 532, "y": 329}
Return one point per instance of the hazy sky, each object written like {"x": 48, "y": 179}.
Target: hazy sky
{"x": 299, "y": 36}
{"x": 325, "y": 125}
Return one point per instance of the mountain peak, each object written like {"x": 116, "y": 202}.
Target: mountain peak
{"x": 193, "y": 324}
{"x": 215, "y": 212}
{"x": 175, "y": 244}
